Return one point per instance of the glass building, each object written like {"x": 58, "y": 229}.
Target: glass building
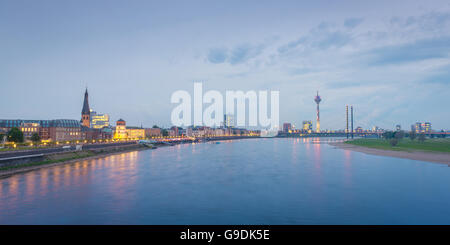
{"x": 99, "y": 120}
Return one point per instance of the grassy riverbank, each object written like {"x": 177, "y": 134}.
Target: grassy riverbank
{"x": 67, "y": 157}
{"x": 429, "y": 145}
{"x": 53, "y": 159}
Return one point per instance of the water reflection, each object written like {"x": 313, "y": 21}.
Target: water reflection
{"x": 38, "y": 184}
{"x": 278, "y": 181}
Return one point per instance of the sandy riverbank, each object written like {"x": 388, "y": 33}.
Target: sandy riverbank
{"x": 413, "y": 155}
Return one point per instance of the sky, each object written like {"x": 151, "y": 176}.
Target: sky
{"x": 389, "y": 59}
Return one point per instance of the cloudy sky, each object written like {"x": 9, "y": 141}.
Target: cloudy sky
{"x": 389, "y": 59}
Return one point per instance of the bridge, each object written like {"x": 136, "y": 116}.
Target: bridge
{"x": 355, "y": 134}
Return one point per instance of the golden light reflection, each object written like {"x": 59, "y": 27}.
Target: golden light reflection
{"x": 348, "y": 167}
{"x": 56, "y": 178}
{"x": 43, "y": 186}
{"x": 67, "y": 175}
{"x": 317, "y": 159}
{"x": 294, "y": 150}
{"x": 23, "y": 187}
{"x": 30, "y": 181}
{"x": 13, "y": 186}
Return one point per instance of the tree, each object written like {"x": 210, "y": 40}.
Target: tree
{"x": 165, "y": 132}
{"x": 2, "y": 136}
{"x": 388, "y": 135}
{"x": 15, "y": 135}
{"x": 421, "y": 137}
{"x": 155, "y": 126}
{"x": 412, "y": 135}
{"x": 35, "y": 138}
{"x": 393, "y": 141}
{"x": 399, "y": 134}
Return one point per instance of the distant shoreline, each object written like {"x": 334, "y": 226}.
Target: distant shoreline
{"x": 435, "y": 157}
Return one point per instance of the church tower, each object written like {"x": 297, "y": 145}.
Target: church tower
{"x": 86, "y": 112}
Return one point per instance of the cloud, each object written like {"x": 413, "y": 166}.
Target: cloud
{"x": 237, "y": 55}
{"x": 353, "y": 22}
{"x": 243, "y": 53}
{"x": 429, "y": 21}
{"x": 333, "y": 39}
{"x": 411, "y": 52}
{"x": 351, "y": 63}
{"x": 217, "y": 55}
{"x": 291, "y": 45}
{"x": 440, "y": 76}
{"x": 322, "y": 37}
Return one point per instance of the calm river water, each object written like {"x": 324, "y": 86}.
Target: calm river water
{"x": 251, "y": 181}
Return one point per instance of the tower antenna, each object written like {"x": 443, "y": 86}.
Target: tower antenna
{"x": 317, "y": 99}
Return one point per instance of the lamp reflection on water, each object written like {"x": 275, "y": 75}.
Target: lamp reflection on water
{"x": 22, "y": 188}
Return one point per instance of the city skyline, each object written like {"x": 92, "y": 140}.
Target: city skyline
{"x": 392, "y": 66}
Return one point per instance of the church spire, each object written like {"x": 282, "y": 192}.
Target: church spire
{"x": 86, "y": 109}
{"x": 86, "y": 112}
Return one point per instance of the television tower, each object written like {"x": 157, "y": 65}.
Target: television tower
{"x": 317, "y": 99}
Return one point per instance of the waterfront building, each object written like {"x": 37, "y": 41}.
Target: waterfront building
{"x": 317, "y": 99}
{"x": 189, "y": 132}
{"x": 426, "y": 127}
{"x": 228, "y": 120}
{"x": 135, "y": 132}
{"x": 228, "y": 131}
{"x": 96, "y": 133}
{"x": 418, "y": 127}
{"x": 29, "y": 128}
{"x": 86, "y": 112}
{"x": 120, "y": 131}
{"x": 173, "y": 131}
{"x": 99, "y": 120}
{"x": 287, "y": 127}
{"x": 51, "y": 130}
{"x": 219, "y": 132}
{"x": 152, "y": 132}
{"x": 359, "y": 130}
{"x": 65, "y": 130}
{"x": 307, "y": 126}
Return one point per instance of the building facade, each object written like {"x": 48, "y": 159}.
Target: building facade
{"x": 425, "y": 127}
{"x": 307, "y": 126}
{"x": 135, "y": 133}
{"x": 120, "y": 132}
{"x": 152, "y": 132}
{"x": 287, "y": 127}
{"x": 99, "y": 120}
{"x": 228, "y": 120}
{"x": 48, "y": 130}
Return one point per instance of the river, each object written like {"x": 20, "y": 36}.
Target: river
{"x": 249, "y": 181}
